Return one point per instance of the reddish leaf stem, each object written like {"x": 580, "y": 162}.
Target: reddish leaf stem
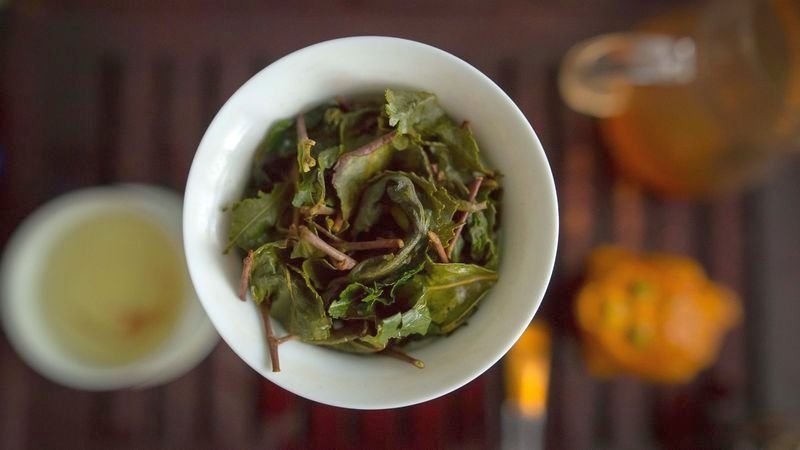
{"x": 327, "y": 233}
{"x": 272, "y": 341}
{"x": 437, "y": 245}
{"x": 245, "y": 280}
{"x": 343, "y": 262}
{"x": 370, "y": 245}
{"x": 402, "y": 356}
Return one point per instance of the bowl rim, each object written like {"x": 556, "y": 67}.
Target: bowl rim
{"x": 34, "y": 345}
{"x": 549, "y": 258}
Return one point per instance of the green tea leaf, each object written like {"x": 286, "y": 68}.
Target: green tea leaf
{"x": 483, "y": 249}
{"x": 350, "y": 331}
{"x": 463, "y": 148}
{"x": 413, "y": 159}
{"x": 355, "y": 168}
{"x": 436, "y": 201}
{"x": 400, "y": 191}
{"x": 327, "y": 158}
{"x": 311, "y": 189}
{"x": 294, "y": 301}
{"x": 267, "y": 277}
{"x": 252, "y": 219}
{"x": 279, "y": 142}
{"x": 320, "y": 271}
{"x": 356, "y": 127}
{"x": 450, "y": 291}
{"x": 413, "y": 113}
{"x": 416, "y": 320}
{"x": 302, "y": 249}
{"x": 356, "y": 301}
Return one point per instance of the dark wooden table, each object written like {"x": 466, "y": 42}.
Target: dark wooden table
{"x": 95, "y": 93}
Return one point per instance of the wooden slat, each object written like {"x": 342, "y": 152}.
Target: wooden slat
{"x": 70, "y": 137}
{"x": 181, "y": 401}
{"x": 428, "y": 424}
{"x": 493, "y": 397}
{"x": 15, "y": 383}
{"x": 570, "y": 421}
{"x": 726, "y": 247}
{"x": 331, "y": 427}
{"x": 378, "y": 429}
{"x": 186, "y": 124}
{"x": 629, "y": 408}
{"x": 134, "y": 414}
{"x": 234, "y": 399}
{"x": 284, "y": 418}
{"x": 778, "y": 294}
{"x": 674, "y": 232}
{"x": 24, "y": 110}
{"x": 235, "y": 387}
{"x": 472, "y": 412}
{"x": 135, "y": 142}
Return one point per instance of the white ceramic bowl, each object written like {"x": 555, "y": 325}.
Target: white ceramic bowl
{"x": 189, "y": 343}
{"x": 369, "y": 65}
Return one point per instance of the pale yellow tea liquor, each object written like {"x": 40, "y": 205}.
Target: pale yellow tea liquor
{"x": 112, "y": 288}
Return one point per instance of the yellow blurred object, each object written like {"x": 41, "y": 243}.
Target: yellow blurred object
{"x": 655, "y": 316}
{"x": 527, "y": 371}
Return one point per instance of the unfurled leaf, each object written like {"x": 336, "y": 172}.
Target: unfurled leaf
{"x": 450, "y": 291}
{"x": 320, "y": 272}
{"x": 481, "y": 231}
{"x": 253, "y": 219}
{"x": 410, "y": 272}
{"x": 311, "y": 189}
{"x": 357, "y": 127}
{"x": 441, "y": 205}
{"x": 267, "y": 276}
{"x": 462, "y": 147}
{"x": 294, "y": 301}
{"x": 273, "y": 155}
{"x": 299, "y": 307}
{"x": 356, "y": 301}
{"x": 479, "y": 235}
{"x": 413, "y": 113}
{"x": 350, "y": 331}
{"x": 327, "y": 158}
{"x": 412, "y": 159}
{"x": 416, "y": 320}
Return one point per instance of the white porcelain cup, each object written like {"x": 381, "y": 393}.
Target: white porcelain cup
{"x": 361, "y": 65}
{"x": 190, "y": 342}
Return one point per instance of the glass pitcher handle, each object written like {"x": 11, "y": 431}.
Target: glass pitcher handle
{"x": 597, "y": 75}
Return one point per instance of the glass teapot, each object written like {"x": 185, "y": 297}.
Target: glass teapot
{"x": 696, "y": 102}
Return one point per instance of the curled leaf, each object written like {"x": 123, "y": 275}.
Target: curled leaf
{"x": 355, "y": 168}
{"x": 400, "y": 190}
